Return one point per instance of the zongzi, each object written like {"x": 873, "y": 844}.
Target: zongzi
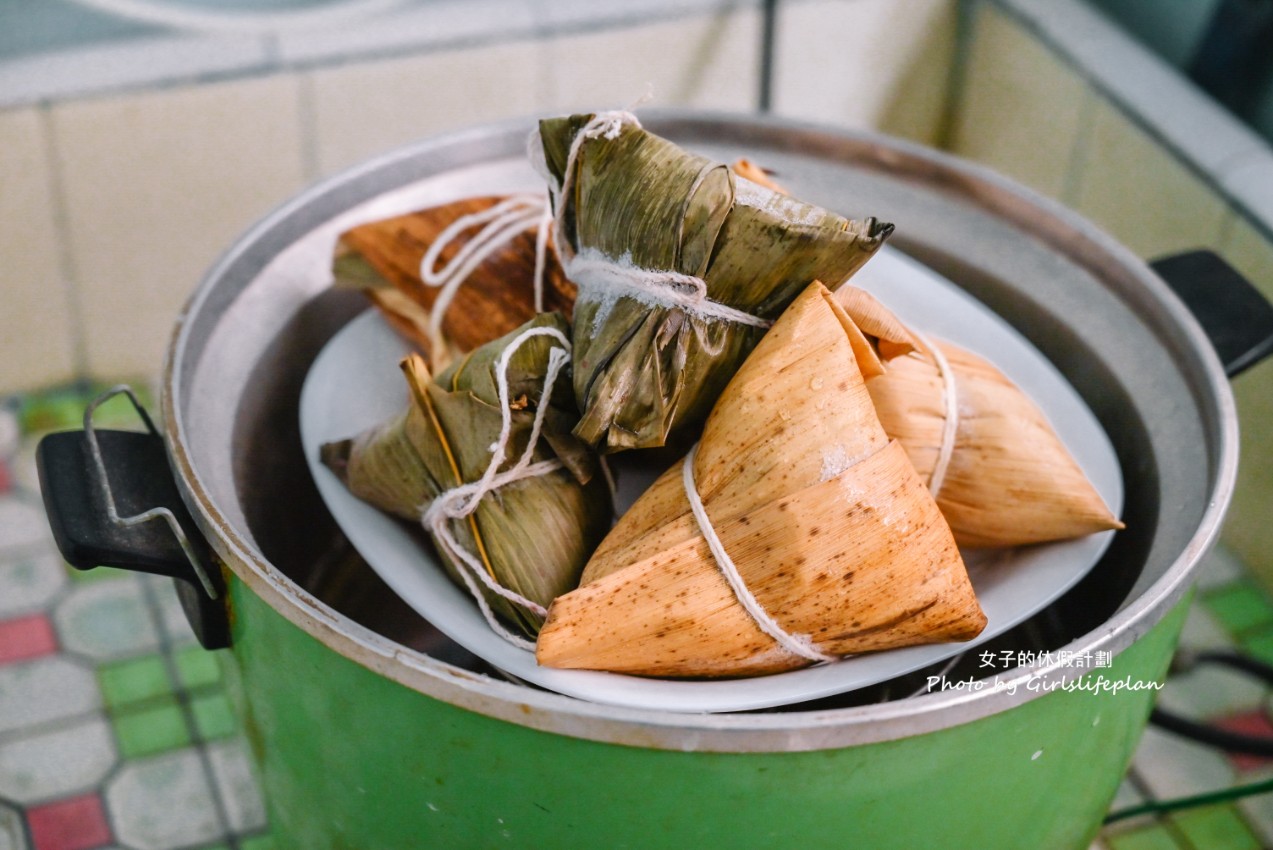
{"x": 681, "y": 266}
{"x": 490, "y": 244}
{"x": 517, "y": 534}
{"x": 1000, "y": 474}
{"x": 794, "y": 532}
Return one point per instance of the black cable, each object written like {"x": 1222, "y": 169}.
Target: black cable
{"x": 1224, "y": 795}
{"x": 1211, "y": 736}
{"x": 1232, "y": 658}
{"x": 1214, "y": 736}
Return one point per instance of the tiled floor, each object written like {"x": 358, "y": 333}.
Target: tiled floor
{"x": 115, "y": 730}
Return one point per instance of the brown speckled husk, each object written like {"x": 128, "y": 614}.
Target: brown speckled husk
{"x": 826, "y": 520}
{"x": 1010, "y": 479}
{"x": 383, "y": 257}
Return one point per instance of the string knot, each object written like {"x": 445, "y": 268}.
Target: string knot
{"x": 593, "y": 270}
{"x": 462, "y": 501}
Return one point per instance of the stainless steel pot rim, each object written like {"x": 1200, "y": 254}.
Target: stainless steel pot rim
{"x": 745, "y": 732}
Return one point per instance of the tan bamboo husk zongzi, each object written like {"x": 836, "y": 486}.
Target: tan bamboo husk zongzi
{"x": 383, "y": 259}
{"x": 824, "y": 517}
{"x": 532, "y": 536}
{"x": 646, "y": 370}
{"x": 1009, "y": 480}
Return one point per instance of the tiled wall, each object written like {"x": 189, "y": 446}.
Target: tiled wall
{"x": 126, "y": 196}
{"x": 1055, "y": 98}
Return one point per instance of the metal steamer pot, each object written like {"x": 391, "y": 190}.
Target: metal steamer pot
{"x": 371, "y": 730}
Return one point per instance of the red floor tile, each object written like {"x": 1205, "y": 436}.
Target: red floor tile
{"x": 1249, "y": 723}
{"x": 25, "y": 638}
{"x": 75, "y": 824}
{"x": 6, "y": 478}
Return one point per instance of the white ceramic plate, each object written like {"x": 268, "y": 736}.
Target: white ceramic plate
{"x": 354, "y": 383}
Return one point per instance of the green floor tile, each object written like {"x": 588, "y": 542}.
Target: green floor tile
{"x": 152, "y": 729}
{"x": 97, "y": 574}
{"x": 137, "y": 680}
{"x": 1216, "y": 828}
{"x": 1260, "y": 645}
{"x": 1240, "y": 607}
{"x": 63, "y": 407}
{"x": 1150, "y": 838}
{"x": 196, "y": 667}
{"x": 213, "y": 717}
{"x": 258, "y": 842}
{"x": 52, "y": 411}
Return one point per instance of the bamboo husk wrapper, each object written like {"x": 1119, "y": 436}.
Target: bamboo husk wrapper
{"x": 383, "y": 257}
{"x": 644, "y": 370}
{"x": 825, "y": 518}
{"x": 1010, "y": 480}
{"x": 534, "y": 535}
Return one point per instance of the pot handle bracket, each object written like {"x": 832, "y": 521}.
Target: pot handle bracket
{"x": 112, "y": 501}
{"x": 1236, "y": 317}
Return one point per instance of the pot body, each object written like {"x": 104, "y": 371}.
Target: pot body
{"x": 371, "y": 730}
{"x": 349, "y": 758}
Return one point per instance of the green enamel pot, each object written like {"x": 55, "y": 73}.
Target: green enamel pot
{"x": 372, "y": 730}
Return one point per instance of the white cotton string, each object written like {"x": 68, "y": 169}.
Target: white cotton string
{"x": 950, "y": 423}
{"x": 503, "y": 223}
{"x": 801, "y": 645}
{"x": 541, "y": 252}
{"x": 460, "y": 502}
{"x": 599, "y": 273}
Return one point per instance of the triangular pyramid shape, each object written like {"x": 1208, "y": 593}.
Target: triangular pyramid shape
{"x": 825, "y": 519}
{"x": 1009, "y": 479}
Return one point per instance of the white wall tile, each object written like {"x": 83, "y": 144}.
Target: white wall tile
{"x": 869, "y": 64}
{"x": 1250, "y": 252}
{"x": 1247, "y": 529}
{"x": 362, "y": 110}
{"x": 411, "y": 28}
{"x": 1139, "y": 192}
{"x": 1022, "y": 107}
{"x": 135, "y": 63}
{"x": 37, "y": 343}
{"x": 710, "y": 61}
{"x": 157, "y": 186}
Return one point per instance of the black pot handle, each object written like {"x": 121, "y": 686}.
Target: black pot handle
{"x": 112, "y": 501}
{"x": 1237, "y": 318}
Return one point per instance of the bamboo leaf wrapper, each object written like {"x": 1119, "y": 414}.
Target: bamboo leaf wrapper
{"x": 533, "y": 535}
{"x": 645, "y": 369}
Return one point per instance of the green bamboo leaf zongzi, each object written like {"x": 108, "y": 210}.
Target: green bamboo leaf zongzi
{"x": 484, "y": 458}
{"x": 680, "y": 266}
